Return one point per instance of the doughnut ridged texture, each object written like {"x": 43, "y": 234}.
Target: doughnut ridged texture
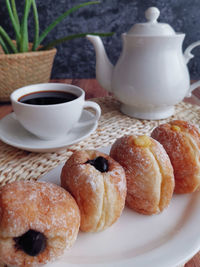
{"x": 149, "y": 174}
{"x": 40, "y": 206}
{"x": 181, "y": 140}
{"x": 100, "y": 196}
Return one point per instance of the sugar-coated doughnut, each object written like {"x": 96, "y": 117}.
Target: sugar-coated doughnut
{"x": 149, "y": 173}
{"x": 98, "y": 184}
{"x": 38, "y": 221}
{"x": 181, "y": 140}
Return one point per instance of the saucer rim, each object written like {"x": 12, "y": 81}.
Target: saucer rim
{"x": 49, "y": 148}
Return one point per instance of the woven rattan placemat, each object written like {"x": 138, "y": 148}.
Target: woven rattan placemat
{"x": 17, "y": 164}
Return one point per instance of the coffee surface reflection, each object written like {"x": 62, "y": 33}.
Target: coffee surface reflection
{"x": 47, "y": 98}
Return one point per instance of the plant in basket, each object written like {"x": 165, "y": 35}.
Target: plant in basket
{"x": 23, "y": 62}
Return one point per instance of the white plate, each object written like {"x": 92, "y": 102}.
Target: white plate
{"x": 12, "y": 133}
{"x": 165, "y": 240}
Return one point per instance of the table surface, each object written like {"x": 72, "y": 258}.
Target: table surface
{"x": 93, "y": 89}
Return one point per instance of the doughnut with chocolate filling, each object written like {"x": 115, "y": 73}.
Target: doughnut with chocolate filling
{"x": 149, "y": 173}
{"x": 181, "y": 140}
{"x": 38, "y": 221}
{"x": 98, "y": 184}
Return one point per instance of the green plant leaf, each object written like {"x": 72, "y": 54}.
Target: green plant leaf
{"x": 14, "y": 10}
{"x": 14, "y": 23}
{"x": 73, "y": 36}
{"x": 61, "y": 17}
{"x": 7, "y": 39}
{"x": 4, "y": 47}
{"x": 24, "y": 27}
{"x": 36, "y": 19}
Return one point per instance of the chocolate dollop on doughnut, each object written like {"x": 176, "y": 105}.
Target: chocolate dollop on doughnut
{"x": 38, "y": 222}
{"x": 100, "y": 163}
{"x": 32, "y": 242}
{"x": 98, "y": 184}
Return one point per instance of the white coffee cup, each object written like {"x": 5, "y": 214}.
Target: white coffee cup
{"x": 52, "y": 121}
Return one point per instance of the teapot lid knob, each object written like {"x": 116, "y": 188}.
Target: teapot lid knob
{"x": 152, "y": 27}
{"x": 152, "y": 14}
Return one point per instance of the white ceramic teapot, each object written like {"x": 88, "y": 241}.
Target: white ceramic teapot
{"x": 151, "y": 75}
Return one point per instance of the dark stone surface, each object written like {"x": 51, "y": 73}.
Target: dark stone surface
{"x": 76, "y": 58}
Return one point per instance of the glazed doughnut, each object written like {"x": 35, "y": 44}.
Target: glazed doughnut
{"x": 181, "y": 140}
{"x": 38, "y": 221}
{"x": 149, "y": 173}
{"x": 98, "y": 184}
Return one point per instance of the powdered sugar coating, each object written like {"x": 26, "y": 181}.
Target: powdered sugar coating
{"x": 148, "y": 171}
{"x": 183, "y": 148}
{"x": 100, "y": 196}
{"x": 40, "y": 206}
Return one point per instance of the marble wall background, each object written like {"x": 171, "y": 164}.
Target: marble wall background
{"x": 76, "y": 58}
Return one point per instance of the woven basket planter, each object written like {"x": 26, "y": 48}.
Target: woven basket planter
{"x": 17, "y": 70}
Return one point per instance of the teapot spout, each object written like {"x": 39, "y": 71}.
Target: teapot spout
{"x": 104, "y": 68}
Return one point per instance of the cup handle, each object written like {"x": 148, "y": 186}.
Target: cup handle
{"x": 96, "y": 108}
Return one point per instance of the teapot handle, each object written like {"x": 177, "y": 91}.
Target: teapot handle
{"x": 188, "y": 55}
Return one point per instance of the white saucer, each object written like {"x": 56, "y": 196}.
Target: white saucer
{"x": 168, "y": 239}
{"x": 12, "y": 133}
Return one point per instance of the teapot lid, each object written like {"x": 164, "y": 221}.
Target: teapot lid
{"x": 152, "y": 26}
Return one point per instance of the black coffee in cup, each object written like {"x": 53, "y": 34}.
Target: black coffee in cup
{"x": 47, "y": 97}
